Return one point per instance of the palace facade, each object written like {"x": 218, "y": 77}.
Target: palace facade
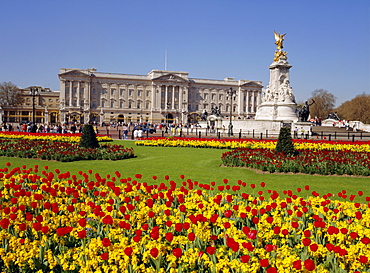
{"x": 39, "y": 106}
{"x": 160, "y": 96}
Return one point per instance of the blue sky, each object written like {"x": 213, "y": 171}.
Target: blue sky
{"x": 328, "y": 42}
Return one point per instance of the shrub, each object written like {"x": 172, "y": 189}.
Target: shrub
{"x": 285, "y": 144}
{"x": 88, "y": 137}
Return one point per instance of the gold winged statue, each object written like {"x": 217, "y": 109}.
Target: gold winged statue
{"x": 279, "y": 38}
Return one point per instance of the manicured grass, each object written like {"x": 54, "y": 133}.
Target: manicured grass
{"x": 202, "y": 165}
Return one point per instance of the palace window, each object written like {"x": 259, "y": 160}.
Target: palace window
{"x": 103, "y": 91}
{"x": 121, "y": 92}
{"x": 121, "y": 104}
{"x": 139, "y": 93}
{"x": 130, "y": 92}
{"x": 111, "y": 103}
{"x": 102, "y": 103}
{"x": 112, "y": 91}
{"x": 147, "y": 93}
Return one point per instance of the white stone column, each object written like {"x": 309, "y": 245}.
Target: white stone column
{"x": 108, "y": 93}
{"x": 165, "y": 97}
{"x": 70, "y": 93}
{"x": 78, "y": 93}
{"x": 247, "y": 102}
{"x": 116, "y": 95}
{"x": 62, "y": 95}
{"x": 173, "y": 96}
{"x": 240, "y": 101}
{"x": 180, "y": 98}
{"x": 258, "y": 98}
{"x": 153, "y": 96}
{"x": 185, "y": 102}
{"x": 125, "y": 95}
{"x": 253, "y": 101}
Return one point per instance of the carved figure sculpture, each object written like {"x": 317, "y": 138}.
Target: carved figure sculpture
{"x": 286, "y": 92}
{"x": 268, "y": 95}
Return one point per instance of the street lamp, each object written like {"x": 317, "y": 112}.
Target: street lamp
{"x": 33, "y": 92}
{"x": 232, "y": 95}
{"x": 167, "y": 117}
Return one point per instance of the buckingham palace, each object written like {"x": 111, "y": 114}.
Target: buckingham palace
{"x": 160, "y": 96}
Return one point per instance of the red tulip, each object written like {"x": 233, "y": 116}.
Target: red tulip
{"x": 45, "y": 229}
{"x": 82, "y": 234}
{"x": 154, "y": 252}
{"x": 271, "y": 270}
{"x": 105, "y": 242}
{"x": 82, "y": 222}
{"x": 245, "y": 258}
{"x": 314, "y": 247}
{"x": 128, "y": 251}
{"x": 177, "y": 252}
{"x": 264, "y": 263}
{"x": 169, "y": 236}
{"x": 191, "y": 236}
{"x": 211, "y": 250}
{"x": 22, "y": 226}
{"x": 309, "y": 264}
{"x": 104, "y": 256}
{"x": 297, "y": 265}
{"x": 63, "y": 230}
{"x": 178, "y": 227}
{"x": 37, "y": 226}
{"x": 306, "y": 242}
{"x": 363, "y": 259}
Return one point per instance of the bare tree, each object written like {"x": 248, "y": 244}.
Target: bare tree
{"x": 324, "y": 103}
{"x": 356, "y": 109}
{"x": 10, "y": 94}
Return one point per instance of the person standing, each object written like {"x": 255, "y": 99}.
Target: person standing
{"x": 125, "y": 132}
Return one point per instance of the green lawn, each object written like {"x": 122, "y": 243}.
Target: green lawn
{"x": 202, "y": 165}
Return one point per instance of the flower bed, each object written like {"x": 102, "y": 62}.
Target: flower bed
{"x": 85, "y": 223}
{"x": 61, "y": 151}
{"x": 49, "y": 136}
{"x": 254, "y": 144}
{"x": 314, "y": 157}
{"x": 324, "y": 162}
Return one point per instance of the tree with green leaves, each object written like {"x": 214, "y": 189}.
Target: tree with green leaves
{"x": 10, "y": 95}
{"x": 88, "y": 137}
{"x": 285, "y": 143}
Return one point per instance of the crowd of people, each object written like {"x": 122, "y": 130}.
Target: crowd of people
{"x": 43, "y": 128}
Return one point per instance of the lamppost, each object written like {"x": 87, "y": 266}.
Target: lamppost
{"x": 33, "y": 92}
{"x": 232, "y": 95}
{"x": 167, "y": 117}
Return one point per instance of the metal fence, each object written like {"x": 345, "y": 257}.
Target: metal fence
{"x": 117, "y": 133}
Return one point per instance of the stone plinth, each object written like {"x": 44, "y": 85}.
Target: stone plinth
{"x": 278, "y": 102}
